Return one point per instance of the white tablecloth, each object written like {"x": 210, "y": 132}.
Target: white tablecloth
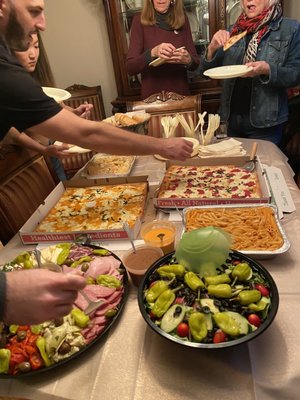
{"x": 134, "y": 363}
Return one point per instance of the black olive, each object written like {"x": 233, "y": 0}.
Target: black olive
{"x": 206, "y": 310}
{"x": 24, "y": 366}
{"x": 21, "y": 335}
{"x": 3, "y": 340}
{"x": 58, "y": 321}
{"x": 65, "y": 348}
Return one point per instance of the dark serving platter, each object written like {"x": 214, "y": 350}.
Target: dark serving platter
{"x": 154, "y": 323}
{"x": 112, "y": 321}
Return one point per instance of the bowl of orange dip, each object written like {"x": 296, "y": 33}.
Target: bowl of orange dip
{"x": 159, "y": 233}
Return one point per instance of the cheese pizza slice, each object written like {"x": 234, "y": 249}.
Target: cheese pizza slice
{"x": 233, "y": 39}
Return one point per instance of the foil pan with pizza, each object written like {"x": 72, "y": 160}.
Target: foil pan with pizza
{"x": 105, "y": 165}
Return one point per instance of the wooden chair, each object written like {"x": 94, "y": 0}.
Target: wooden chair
{"x": 167, "y": 104}
{"x": 81, "y": 94}
{"x": 21, "y": 193}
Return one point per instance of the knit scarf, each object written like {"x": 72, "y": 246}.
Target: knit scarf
{"x": 258, "y": 26}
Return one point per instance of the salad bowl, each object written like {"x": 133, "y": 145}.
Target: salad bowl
{"x": 208, "y": 312}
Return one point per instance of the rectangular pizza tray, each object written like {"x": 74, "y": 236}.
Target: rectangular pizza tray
{"x": 29, "y": 236}
{"x": 261, "y": 254}
{"x": 238, "y": 161}
{"x": 84, "y": 171}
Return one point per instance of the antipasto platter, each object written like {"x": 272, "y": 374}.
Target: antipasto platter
{"x": 30, "y": 350}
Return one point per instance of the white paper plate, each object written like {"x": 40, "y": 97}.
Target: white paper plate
{"x": 227, "y": 71}
{"x": 57, "y": 94}
{"x": 73, "y": 148}
{"x": 194, "y": 152}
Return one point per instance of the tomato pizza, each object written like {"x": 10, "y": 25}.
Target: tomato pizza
{"x": 228, "y": 181}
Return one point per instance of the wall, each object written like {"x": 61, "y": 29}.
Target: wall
{"x": 77, "y": 44}
{"x": 78, "y": 47}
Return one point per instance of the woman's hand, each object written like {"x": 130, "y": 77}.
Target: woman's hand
{"x": 163, "y": 50}
{"x": 83, "y": 111}
{"x": 180, "y": 56}
{"x": 217, "y": 41}
{"x": 52, "y": 150}
{"x": 258, "y": 68}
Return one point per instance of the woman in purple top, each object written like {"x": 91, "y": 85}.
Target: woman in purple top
{"x": 158, "y": 31}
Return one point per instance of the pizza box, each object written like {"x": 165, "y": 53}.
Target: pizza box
{"x": 237, "y": 161}
{"x": 29, "y": 236}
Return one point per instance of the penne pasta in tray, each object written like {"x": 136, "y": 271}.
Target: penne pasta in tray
{"x": 255, "y": 229}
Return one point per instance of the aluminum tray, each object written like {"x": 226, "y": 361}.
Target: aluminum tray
{"x": 258, "y": 253}
{"x": 85, "y": 174}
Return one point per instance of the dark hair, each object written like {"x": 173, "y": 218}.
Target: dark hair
{"x": 176, "y": 18}
{"x": 43, "y": 73}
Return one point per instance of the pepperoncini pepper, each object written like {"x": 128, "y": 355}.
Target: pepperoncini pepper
{"x": 24, "y": 259}
{"x": 198, "y": 326}
{"x": 261, "y": 305}
{"x": 109, "y": 281}
{"x": 242, "y": 272}
{"x": 101, "y": 252}
{"x": 4, "y": 361}
{"x": 222, "y": 290}
{"x": 170, "y": 271}
{"x": 246, "y": 297}
{"x": 227, "y": 324}
{"x": 217, "y": 279}
{"x": 63, "y": 255}
{"x": 81, "y": 319}
{"x": 155, "y": 290}
{"x": 193, "y": 281}
{"x": 41, "y": 345}
{"x": 163, "y": 302}
{"x": 80, "y": 261}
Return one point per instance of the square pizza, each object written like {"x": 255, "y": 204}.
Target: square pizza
{"x": 205, "y": 182}
{"x": 96, "y": 208}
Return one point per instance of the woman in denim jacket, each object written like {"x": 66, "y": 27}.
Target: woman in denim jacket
{"x": 256, "y": 105}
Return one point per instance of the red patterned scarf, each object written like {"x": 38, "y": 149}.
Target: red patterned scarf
{"x": 258, "y": 26}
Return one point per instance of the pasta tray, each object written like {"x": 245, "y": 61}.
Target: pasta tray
{"x": 255, "y": 228}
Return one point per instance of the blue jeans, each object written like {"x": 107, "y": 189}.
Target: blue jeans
{"x": 240, "y": 126}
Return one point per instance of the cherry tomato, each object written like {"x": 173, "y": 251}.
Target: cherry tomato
{"x": 182, "y": 329}
{"x": 219, "y": 336}
{"x": 263, "y": 290}
{"x": 179, "y": 300}
{"x": 254, "y": 320}
{"x": 151, "y": 315}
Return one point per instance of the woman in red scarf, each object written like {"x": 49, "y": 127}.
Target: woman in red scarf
{"x": 255, "y": 105}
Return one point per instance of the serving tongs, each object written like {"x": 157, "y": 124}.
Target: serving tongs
{"x": 92, "y": 306}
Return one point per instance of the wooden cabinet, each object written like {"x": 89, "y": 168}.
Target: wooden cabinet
{"x": 205, "y": 16}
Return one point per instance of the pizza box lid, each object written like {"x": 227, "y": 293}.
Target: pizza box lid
{"x": 29, "y": 236}
{"x": 168, "y": 203}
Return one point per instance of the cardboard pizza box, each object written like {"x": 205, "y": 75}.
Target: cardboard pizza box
{"x": 237, "y": 161}
{"x": 29, "y": 236}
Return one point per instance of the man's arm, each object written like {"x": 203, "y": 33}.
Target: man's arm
{"x": 106, "y": 138}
